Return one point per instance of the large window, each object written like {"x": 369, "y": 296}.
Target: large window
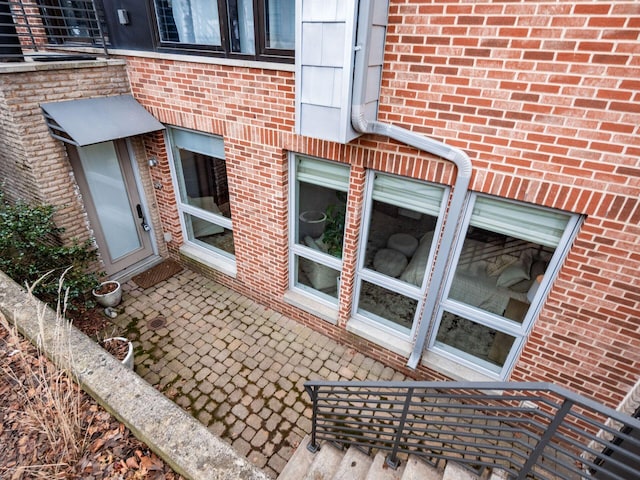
{"x": 401, "y": 221}
{"x": 320, "y": 193}
{"x": 203, "y": 191}
{"x": 261, "y": 29}
{"x": 505, "y": 262}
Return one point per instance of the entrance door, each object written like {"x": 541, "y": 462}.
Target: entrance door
{"x": 112, "y": 201}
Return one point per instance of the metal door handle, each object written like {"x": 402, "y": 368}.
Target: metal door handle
{"x": 144, "y": 225}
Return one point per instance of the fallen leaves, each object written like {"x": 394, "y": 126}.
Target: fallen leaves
{"x": 107, "y": 449}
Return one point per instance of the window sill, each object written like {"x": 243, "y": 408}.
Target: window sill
{"x": 454, "y": 370}
{"x": 380, "y": 336}
{"x": 312, "y": 306}
{"x": 211, "y": 260}
{"x": 231, "y": 62}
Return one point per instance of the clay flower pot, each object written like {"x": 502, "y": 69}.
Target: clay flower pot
{"x": 108, "y": 294}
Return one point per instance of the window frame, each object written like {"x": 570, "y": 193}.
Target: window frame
{"x": 261, "y": 19}
{"x": 519, "y": 331}
{"x": 262, "y": 52}
{"x": 299, "y": 250}
{"x": 414, "y": 292}
{"x": 185, "y": 208}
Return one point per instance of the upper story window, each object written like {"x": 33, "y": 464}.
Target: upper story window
{"x": 258, "y": 29}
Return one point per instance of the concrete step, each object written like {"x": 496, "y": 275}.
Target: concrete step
{"x": 418, "y": 470}
{"x": 331, "y": 463}
{"x": 354, "y": 466}
{"x": 380, "y": 471}
{"x": 454, "y": 471}
{"x": 299, "y": 463}
{"x": 325, "y": 464}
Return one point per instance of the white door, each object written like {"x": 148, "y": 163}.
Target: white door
{"x": 112, "y": 201}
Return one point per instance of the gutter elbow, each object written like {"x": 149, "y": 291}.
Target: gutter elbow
{"x": 358, "y": 120}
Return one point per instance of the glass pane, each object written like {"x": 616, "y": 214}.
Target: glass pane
{"x": 204, "y": 182}
{"x": 317, "y": 276}
{"x": 109, "y": 193}
{"x": 280, "y": 24}
{"x": 474, "y": 339}
{"x": 392, "y": 306}
{"x": 499, "y": 273}
{"x": 321, "y": 218}
{"x": 209, "y": 234}
{"x": 188, "y": 21}
{"x": 537, "y": 225}
{"x": 399, "y": 242}
{"x": 78, "y": 18}
{"x": 241, "y": 30}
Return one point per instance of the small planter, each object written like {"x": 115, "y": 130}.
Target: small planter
{"x": 121, "y": 349}
{"x": 312, "y": 223}
{"x": 108, "y": 294}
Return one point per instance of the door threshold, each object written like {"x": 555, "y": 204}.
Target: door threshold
{"x": 130, "y": 272}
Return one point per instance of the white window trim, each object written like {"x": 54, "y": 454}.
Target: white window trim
{"x": 519, "y": 331}
{"x": 216, "y": 259}
{"x": 386, "y": 327}
{"x": 318, "y": 301}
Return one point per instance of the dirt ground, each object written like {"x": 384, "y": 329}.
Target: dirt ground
{"x": 32, "y": 440}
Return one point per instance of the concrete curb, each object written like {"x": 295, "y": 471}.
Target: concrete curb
{"x": 171, "y": 433}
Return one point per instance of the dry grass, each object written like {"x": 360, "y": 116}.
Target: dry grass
{"x": 50, "y": 428}
{"x": 50, "y": 404}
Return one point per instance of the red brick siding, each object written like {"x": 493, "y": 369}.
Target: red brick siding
{"x": 543, "y": 96}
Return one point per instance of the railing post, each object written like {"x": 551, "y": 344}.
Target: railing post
{"x": 100, "y": 31}
{"x": 392, "y": 459}
{"x": 313, "y": 446}
{"x": 544, "y": 440}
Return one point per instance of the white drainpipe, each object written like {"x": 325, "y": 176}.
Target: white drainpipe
{"x": 435, "y": 147}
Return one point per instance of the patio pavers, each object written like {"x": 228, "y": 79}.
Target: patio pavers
{"x": 235, "y": 365}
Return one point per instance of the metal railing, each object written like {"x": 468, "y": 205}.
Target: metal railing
{"x": 29, "y": 28}
{"x": 529, "y": 430}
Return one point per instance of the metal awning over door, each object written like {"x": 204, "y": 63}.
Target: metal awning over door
{"x": 94, "y": 120}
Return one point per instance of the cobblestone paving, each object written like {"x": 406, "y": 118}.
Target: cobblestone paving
{"x": 236, "y": 366}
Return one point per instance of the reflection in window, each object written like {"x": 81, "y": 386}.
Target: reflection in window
{"x": 205, "y": 182}
{"x": 388, "y": 305}
{"x": 241, "y": 28}
{"x": 70, "y": 21}
{"x": 188, "y": 21}
{"x": 320, "y": 191}
{"x": 280, "y": 26}
{"x": 507, "y": 252}
{"x": 318, "y": 277}
{"x": 402, "y": 218}
{"x": 488, "y": 344}
{"x": 201, "y": 173}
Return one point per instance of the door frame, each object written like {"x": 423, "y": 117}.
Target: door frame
{"x": 135, "y": 196}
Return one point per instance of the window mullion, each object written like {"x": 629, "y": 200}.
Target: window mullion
{"x": 483, "y": 318}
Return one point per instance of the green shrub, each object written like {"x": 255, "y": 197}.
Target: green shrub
{"x": 30, "y": 247}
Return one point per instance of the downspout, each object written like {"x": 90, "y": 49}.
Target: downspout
{"x": 426, "y": 144}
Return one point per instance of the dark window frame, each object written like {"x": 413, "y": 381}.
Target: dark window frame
{"x": 262, "y": 52}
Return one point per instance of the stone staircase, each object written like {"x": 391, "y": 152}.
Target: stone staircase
{"x": 330, "y": 463}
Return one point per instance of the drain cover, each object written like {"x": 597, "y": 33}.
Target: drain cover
{"x": 157, "y": 322}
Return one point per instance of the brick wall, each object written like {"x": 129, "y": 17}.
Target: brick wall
{"x": 544, "y": 98}
{"x": 35, "y": 162}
